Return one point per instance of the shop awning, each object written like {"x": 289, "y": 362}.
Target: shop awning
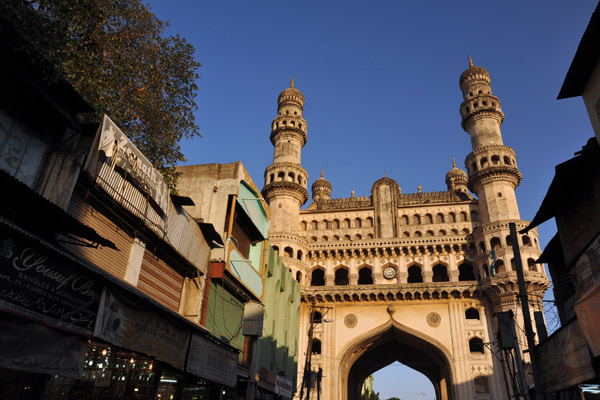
{"x": 28, "y": 208}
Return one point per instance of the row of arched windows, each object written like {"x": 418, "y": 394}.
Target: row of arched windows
{"x": 439, "y": 218}
{"x": 494, "y": 160}
{"x": 496, "y": 244}
{"x": 500, "y": 267}
{"x": 415, "y": 275}
{"x": 281, "y": 177}
{"x": 337, "y": 224}
{"x": 338, "y": 237}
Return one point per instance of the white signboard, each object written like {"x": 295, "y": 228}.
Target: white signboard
{"x": 283, "y": 387}
{"x": 208, "y": 360}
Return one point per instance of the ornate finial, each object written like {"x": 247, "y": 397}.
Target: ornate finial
{"x": 292, "y": 84}
{"x": 384, "y": 173}
{"x": 419, "y": 188}
{"x": 453, "y": 162}
{"x": 470, "y": 66}
{"x": 321, "y": 167}
{"x": 352, "y": 193}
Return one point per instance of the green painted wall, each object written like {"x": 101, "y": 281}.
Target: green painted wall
{"x": 279, "y": 343}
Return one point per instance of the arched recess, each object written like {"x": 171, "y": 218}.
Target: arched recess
{"x": 392, "y": 342}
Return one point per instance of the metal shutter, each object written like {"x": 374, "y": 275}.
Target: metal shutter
{"x": 159, "y": 281}
{"x": 112, "y": 261}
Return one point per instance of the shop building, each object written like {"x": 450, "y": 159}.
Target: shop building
{"x": 101, "y": 269}
{"x": 246, "y": 269}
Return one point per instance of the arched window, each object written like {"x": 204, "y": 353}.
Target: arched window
{"x": 440, "y": 273}
{"x": 299, "y": 255}
{"x": 463, "y": 216}
{"x": 472, "y": 313}
{"x": 336, "y": 237}
{"x": 506, "y": 160}
{"x": 369, "y": 223}
{"x": 482, "y": 247}
{"x": 509, "y": 241}
{"x": 406, "y": 234}
{"x": 303, "y": 225}
{"x": 495, "y": 243}
{"x": 439, "y": 218}
{"x": 313, "y": 238}
{"x": 404, "y": 220}
{"x": 418, "y": 234}
{"x": 526, "y": 240}
{"x": 346, "y": 237}
{"x": 474, "y": 216}
{"x": 486, "y": 271}
{"x": 341, "y": 277}
{"x": 499, "y": 267}
{"x": 365, "y": 276}
{"x": 271, "y": 178}
{"x": 429, "y": 233}
{"x": 476, "y": 345}
{"x": 317, "y": 317}
{"x": 335, "y": 224}
{"x": 531, "y": 264}
{"x": 481, "y": 385}
{"x": 316, "y": 346}
{"x": 292, "y": 176}
{"x": 324, "y": 224}
{"x": 465, "y": 272}
{"x": 281, "y": 176}
{"x": 325, "y": 238}
{"x": 454, "y": 231}
{"x": 298, "y": 276}
{"x": 288, "y": 252}
{"x": 414, "y": 274}
{"x": 428, "y": 219}
{"x": 416, "y": 219}
{"x": 484, "y": 162}
{"x": 495, "y": 160}
{"x": 317, "y": 278}
{"x": 442, "y": 232}
{"x": 313, "y": 225}
{"x": 357, "y": 223}
{"x": 347, "y": 223}
{"x": 358, "y": 236}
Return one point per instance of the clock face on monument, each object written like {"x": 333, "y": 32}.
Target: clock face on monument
{"x": 389, "y": 272}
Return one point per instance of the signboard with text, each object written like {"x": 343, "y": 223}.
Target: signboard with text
{"x": 116, "y": 152}
{"x": 127, "y": 325}
{"x": 208, "y": 360}
{"x": 37, "y": 285}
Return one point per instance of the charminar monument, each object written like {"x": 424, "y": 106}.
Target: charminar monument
{"x": 408, "y": 277}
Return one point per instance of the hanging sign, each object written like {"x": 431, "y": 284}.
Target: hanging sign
{"x": 37, "y": 285}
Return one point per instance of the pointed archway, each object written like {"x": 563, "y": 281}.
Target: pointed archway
{"x": 392, "y": 342}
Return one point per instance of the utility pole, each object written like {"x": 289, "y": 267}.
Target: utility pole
{"x": 537, "y": 378}
{"x": 306, "y": 376}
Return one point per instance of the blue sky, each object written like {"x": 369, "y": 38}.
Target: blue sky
{"x": 380, "y": 80}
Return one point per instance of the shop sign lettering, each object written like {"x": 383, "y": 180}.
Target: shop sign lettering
{"x": 41, "y": 287}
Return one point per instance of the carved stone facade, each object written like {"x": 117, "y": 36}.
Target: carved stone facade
{"x": 406, "y": 276}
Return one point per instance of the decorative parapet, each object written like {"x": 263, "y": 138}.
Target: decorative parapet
{"x": 403, "y": 200}
{"x": 433, "y": 291}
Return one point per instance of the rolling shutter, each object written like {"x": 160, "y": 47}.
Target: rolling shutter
{"x": 159, "y": 281}
{"x": 111, "y": 260}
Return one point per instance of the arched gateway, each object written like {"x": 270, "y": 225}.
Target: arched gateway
{"x": 392, "y": 342}
{"x": 412, "y": 277}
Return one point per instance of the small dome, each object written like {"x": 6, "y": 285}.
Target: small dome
{"x": 455, "y": 174}
{"x": 473, "y": 73}
{"x": 321, "y": 183}
{"x": 291, "y": 93}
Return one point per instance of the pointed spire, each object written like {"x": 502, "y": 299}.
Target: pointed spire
{"x": 292, "y": 84}
{"x": 384, "y": 173}
{"x": 321, "y": 168}
{"x": 453, "y": 162}
{"x": 470, "y": 64}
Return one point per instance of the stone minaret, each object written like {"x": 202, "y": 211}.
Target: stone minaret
{"x": 285, "y": 179}
{"x": 492, "y": 167}
{"x": 493, "y": 176}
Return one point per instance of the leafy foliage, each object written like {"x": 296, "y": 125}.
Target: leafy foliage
{"x": 116, "y": 55}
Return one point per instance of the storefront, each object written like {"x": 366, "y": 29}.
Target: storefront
{"x": 68, "y": 330}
